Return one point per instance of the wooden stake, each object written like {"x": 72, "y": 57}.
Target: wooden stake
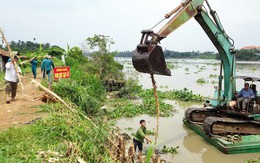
{"x": 157, "y": 107}
{"x": 12, "y": 56}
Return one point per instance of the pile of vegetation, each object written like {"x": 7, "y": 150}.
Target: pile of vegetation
{"x": 182, "y": 95}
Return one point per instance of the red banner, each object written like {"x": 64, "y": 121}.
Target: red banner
{"x": 61, "y": 72}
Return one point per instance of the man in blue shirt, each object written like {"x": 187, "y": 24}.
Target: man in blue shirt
{"x": 43, "y": 68}
{"x": 34, "y": 63}
{"x": 48, "y": 65}
{"x": 245, "y": 96}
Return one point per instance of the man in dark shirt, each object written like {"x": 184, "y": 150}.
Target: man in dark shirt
{"x": 139, "y": 138}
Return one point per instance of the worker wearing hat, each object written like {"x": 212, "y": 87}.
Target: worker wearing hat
{"x": 11, "y": 79}
{"x": 48, "y": 65}
{"x": 43, "y": 69}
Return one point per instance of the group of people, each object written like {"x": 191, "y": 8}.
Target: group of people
{"x": 46, "y": 66}
{"x": 11, "y": 74}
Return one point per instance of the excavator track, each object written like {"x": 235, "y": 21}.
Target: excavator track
{"x": 198, "y": 115}
{"x": 230, "y": 126}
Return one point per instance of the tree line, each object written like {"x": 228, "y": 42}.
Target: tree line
{"x": 242, "y": 55}
{"x": 25, "y": 47}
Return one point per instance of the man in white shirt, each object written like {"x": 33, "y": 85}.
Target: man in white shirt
{"x": 11, "y": 79}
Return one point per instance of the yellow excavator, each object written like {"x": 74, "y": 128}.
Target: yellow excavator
{"x": 215, "y": 121}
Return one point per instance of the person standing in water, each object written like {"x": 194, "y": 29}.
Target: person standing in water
{"x": 139, "y": 138}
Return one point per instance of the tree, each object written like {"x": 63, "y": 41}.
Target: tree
{"x": 103, "y": 61}
{"x": 55, "y": 51}
{"x": 101, "y": 42}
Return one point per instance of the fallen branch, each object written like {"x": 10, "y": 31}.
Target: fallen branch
{"x": 51, "y": 94}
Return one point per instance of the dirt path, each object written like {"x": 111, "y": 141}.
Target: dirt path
{"x": 25, "y": 109}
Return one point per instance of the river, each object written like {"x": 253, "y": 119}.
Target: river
{"x": 172, "y": 132}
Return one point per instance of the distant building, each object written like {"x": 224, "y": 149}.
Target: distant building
{"x": 4, "y": 56}
{"x": 251, "y": 48}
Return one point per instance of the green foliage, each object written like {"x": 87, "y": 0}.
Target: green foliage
{"x": 129, "y": 109}
{"x": 150, "y": 152}
{"x": 83, "y": 89}
{"x": 25, "y": 47}
{"x": 170, "y": 150}
{"x": 253, "y": 161}
{"x": 105, "y": 66}
{"x": 102, "y": 42}
{"x": 63, "y": 132}
{"x": 183, "y": 95}
{"x": 130, "y": 89}
{"x": 103, "y": 62}
{"x": 213, "y": 76}
{"x": 55, "y": 51}
{"x": 75, "y": 57}
{"x": 201, "y": 81}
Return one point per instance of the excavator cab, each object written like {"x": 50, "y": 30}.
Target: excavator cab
{"x": 148, "y": 57}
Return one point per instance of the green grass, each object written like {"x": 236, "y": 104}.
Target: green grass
{"x": 2, "y": 80}
{"x": 61, "y": 132}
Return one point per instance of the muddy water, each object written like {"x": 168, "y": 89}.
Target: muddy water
{"x": 172, "y": 132}
{"x": 187, "y": 72}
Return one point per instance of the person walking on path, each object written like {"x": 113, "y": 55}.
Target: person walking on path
{"x": 48, "y": 65}
{"x": 34, "y": 64}
{"x": 43, "y": 68}
{"x": 139, "y": 138}
{"x": 11, "y": 79}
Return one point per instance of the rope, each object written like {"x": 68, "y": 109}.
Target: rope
{"x": 157, "y": 107}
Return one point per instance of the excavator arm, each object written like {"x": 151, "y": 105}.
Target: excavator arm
{"x": 149, "y": 58}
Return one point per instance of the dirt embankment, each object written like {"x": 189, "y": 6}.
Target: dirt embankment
{"x": 25, "y": 109}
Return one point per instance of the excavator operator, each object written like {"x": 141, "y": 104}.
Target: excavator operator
{"x": 245, "y": 96}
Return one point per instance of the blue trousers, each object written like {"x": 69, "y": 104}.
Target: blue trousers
{"x": 34, "y": 71}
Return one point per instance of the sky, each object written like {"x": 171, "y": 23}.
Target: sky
{"x": 62, "y": 22}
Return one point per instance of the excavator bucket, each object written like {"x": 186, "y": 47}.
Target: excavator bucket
{"x": 150, "y": 59}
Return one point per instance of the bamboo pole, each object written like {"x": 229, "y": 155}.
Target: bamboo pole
{"x": 12, "y": 56}
{"x": 30, "y": 60}
{"x": 157, "y": 107}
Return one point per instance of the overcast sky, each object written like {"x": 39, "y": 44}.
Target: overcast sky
{"x": 71, "y": 21}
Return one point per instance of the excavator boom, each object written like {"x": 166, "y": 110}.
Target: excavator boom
{"x": 149, "y": 58}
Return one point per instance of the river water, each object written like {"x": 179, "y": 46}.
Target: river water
{"x": 172, "y": 132}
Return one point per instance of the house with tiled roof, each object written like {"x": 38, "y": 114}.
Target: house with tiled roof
{"x": 4, "y": 55}
{"x": 251, "y": 48}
